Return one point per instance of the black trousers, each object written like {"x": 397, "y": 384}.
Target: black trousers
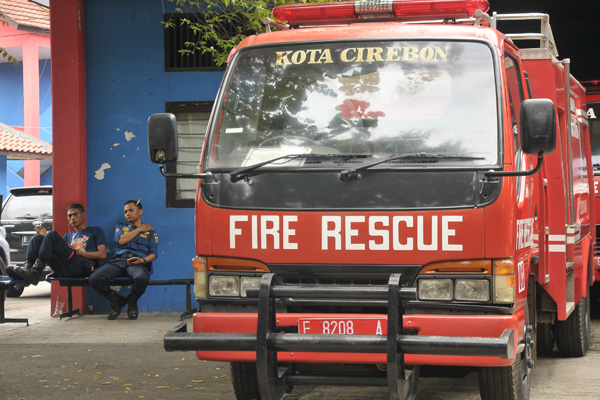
{"x": 54, "y": 251}
{"x": 116, "y": 268}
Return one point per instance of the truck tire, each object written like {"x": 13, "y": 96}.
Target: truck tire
{"x": 545, "y": 339}
{"x": 573, "y": 335}
{"x": 245, "y": 381}
{"x": 512, "y": 382}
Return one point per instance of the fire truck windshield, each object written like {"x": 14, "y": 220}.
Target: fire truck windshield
{"x": 382, "y": 99}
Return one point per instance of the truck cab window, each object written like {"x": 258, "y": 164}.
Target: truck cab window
{"x": 370, "y": 98}
{"x": 515, "y": 95}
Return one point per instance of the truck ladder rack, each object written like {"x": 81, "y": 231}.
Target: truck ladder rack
{"x": 276, "y": 381}
{"x": 544, "y": 35}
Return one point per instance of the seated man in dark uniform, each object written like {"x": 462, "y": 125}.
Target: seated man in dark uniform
{"x": 72, "y": 256}
{"x": 137, "y": 247}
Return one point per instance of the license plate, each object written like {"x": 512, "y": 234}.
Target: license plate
{"x": 343, "y": 326}
{"x": 25, "y": 240}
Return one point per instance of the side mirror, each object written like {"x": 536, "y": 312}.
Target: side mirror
{"x": 162, "y": 138}
{"x": 538, "y": 126}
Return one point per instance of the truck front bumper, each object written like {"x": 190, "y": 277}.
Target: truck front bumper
{"x": 422, "y": 339}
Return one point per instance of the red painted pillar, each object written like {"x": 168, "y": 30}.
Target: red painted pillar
{"x": 69, "y": 139}
{"x": 31, "y": 104}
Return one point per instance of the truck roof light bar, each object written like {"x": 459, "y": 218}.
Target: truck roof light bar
{"x": 400, "y": 10}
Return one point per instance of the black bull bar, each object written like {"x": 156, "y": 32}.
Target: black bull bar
{"x": 275, "y": 381}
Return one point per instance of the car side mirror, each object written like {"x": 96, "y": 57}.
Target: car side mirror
{"x": 538, "y": 126}
{"x": 162, "y": 138}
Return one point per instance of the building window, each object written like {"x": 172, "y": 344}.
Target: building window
{"x": 192, "y": 120}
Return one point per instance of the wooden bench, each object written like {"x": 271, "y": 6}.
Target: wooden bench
{"x": 121, "y": 281}
{"x": 6, "y": 283}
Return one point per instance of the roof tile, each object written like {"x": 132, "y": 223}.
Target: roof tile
{"x": 25, "y": 13}
{"x": 18, "y": 145}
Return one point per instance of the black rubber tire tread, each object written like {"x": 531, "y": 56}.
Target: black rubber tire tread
{"x": 572, "y": 335}
{"x": 245, "y": 381}
{"x": 506, "y": 383}
{"x": 501, "y": 383}
{"x": 545, "y": 339}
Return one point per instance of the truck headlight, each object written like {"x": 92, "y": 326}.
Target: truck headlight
{"x": 472, "y": 290}
{"x": 224, "y": 286}
{"x": 436, "y": 289}
{"x": 247, "y": 282}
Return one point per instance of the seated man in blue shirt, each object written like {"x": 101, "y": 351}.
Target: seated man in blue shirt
{"x": 74, "y": 255}
{"x": 137, "y": 247}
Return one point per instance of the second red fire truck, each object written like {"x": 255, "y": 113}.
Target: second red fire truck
{"x": 593, "y": 104}
{"x": 385, "y": 186}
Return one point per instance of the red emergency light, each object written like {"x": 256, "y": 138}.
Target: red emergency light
{"x": 403, "y": 10}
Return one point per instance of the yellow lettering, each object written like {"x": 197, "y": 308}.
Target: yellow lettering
{"x": 440, "y": 52}
{"x": 364, "y": 54}
{"x": 374, "y": 54}
{"x": 299, "y": 57}
{"x": 410, "y": 54}
{"x": 282, "y": 58}
{"x": 346, "y": 57}
{"x": 360, "y": 55}
{"x": 325, "y": 57}
{"x": 426, "y": 53}
{"x": 312, "y": 56}
{"x": 393, "y": 54}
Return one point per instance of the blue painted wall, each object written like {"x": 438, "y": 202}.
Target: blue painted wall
{"x": 126, "y": 82}
{"x": 11, "y": 114}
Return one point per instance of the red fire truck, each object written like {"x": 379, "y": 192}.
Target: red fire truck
{"x": 387, "y": 186}
{"x": 593, "y": 104}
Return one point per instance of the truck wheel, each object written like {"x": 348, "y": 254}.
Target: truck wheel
{"x": 545, "y": 339}
{"x": 245, "y": 381}
{"x": 573, "y": 335}
{"x": 512, "y": 382}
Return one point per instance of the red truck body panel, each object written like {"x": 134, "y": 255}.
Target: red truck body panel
{"x": 542, "y": 222}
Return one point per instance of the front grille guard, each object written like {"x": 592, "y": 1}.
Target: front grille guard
{"x": 275, "y": 381}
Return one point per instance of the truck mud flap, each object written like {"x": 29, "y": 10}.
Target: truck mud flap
{"x": 275, "y": 380}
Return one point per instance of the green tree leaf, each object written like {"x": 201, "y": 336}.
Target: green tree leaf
{"x": 220, "y": 25}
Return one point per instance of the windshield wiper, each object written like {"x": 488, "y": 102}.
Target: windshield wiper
{"x": 353, "y": 173}
{"x": 242, "y": 173}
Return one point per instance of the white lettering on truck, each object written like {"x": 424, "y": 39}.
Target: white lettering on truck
{"x": 279, "y": 235}
{"x": 402, "y": 233}
{"x": 341, "y": 233}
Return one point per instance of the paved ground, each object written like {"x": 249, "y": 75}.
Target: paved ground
{"x": 91, "y": 358}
